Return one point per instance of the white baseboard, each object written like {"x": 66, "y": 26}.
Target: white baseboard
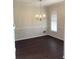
{"x": 29, "y": 37}
{"x": 57, "y": 37}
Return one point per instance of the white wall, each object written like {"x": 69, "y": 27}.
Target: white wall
{"x": 27, "y": 26}
{"x": 59, "y": 7}
{"x": 7, "y": 41}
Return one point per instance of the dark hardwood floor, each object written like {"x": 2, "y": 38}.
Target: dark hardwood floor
{"x": 44, "y": 47}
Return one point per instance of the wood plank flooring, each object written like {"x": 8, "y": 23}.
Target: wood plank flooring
{"x": 45, "y": 47}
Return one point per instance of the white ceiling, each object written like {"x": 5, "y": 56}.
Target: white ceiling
{"x": 37, "y": 2}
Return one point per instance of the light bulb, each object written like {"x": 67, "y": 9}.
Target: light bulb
{"x": 44, "y": 15}
{"x": 37, "y": 16}
{"x": 40, "y": 16}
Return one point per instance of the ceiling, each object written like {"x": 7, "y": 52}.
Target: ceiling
{"x": 37, "y": 2}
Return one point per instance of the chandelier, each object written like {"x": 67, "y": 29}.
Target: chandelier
{"x": 40, "y": 16}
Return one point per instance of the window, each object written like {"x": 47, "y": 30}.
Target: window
{"x": 54, "y": 22}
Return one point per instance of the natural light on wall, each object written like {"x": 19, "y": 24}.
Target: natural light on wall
{"x": 54, "y": 22}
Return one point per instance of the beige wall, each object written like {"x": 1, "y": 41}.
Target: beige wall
{"x": 59, "y": 7}
{"x": 27, "y": 26}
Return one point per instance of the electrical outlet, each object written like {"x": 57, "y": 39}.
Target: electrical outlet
{"x": 44, "y": 31}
